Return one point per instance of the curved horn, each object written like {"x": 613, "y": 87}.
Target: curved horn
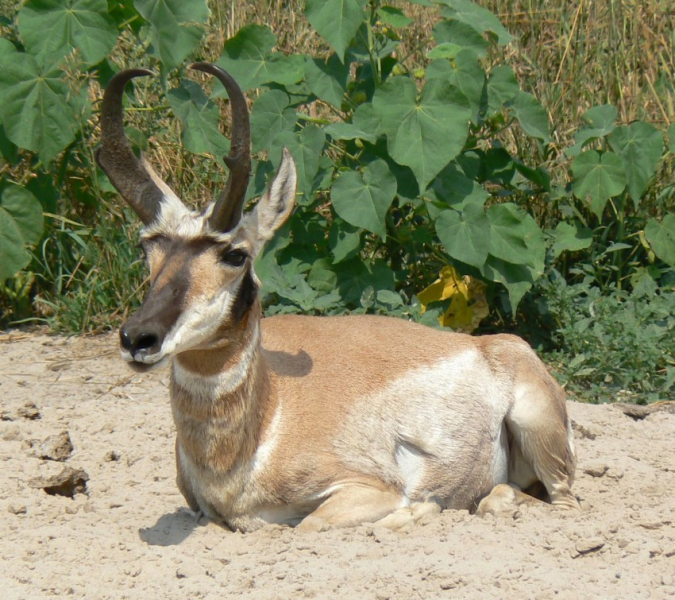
{"x": 115, "y": 156}
{"x": 230, "y": 203}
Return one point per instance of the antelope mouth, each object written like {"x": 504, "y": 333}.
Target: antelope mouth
{"x": 143, "y": 363}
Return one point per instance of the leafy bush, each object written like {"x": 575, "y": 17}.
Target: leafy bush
{"x": 618, "y": 346}
{"x": 419, "y": 151}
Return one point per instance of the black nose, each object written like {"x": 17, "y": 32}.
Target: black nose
{"x": 134, "y": 341}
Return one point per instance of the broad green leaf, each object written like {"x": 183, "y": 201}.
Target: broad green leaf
{"x": 366, "y": 119}
{"x": 671, "y": 138}
{"x": 515, "y": 236}
{"x": 327, "y": 79}
{"x": 640, "y": 145}
{"x": 426, "y": 133}
{"x": 465, "y": 73}
{"x": 571, "y": 237}
{"x": 597, "y": 178}
{"x": 248, "y": 57}
{"x": 502, "y": 88}
{"x": 7, "y": 149}
{"x": 465, "y": 235}
{"x": 344, "y": 240}
{"x": 463, "y": 35}
{"x": 55, "y": 27}
{"x": 336, "y": 21}
{"x": 270, "y": 115}
{"x": 392, "y": 299}
{"x": 363, "y": 199}
{"x": 599, "y": 121}
{"x": 539, "y": 176}
{"x": 36, "y": 106}
{"x": 21, "y": 226}
{"x": 531, "y": 116}
{"x": 322, "y": 277}
{"x": 517, "y": 279}
{"x": 306, "y": 148}
{"x": 455, "y": 189}
{"x": 355, "y": 275}
{"x": 200, "y": 119}
{"x": 661, "y": 237}
{"x": 444, "y": 50}
{"x": 176, "y": 27}
{"x": 394, "y": 17}
{"x": 498, "y": 166}
{"x": 349, "y": 131}
{"x": 475, "y": 16}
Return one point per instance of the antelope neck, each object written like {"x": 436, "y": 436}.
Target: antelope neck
{"x": 217, "y": 398}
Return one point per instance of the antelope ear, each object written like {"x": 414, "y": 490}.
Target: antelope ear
{"x": 277, "y": 204}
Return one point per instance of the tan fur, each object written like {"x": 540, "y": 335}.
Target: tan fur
{"x": 330, "y": 437}
{"x": 331, "y": 421}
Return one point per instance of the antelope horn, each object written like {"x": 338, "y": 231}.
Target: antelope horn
{"x": 230, "y": 203}
{"x": 126, "y": 172}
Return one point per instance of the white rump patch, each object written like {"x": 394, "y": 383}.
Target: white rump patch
{"x": 410, "y": 461}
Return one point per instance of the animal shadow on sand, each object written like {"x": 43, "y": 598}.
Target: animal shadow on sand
{"x": 170, "y": 529}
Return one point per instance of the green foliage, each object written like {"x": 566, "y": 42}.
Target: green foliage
{"x": 51, "y": 29}
{"x": 408, "y": 160}
{"x": 618, "y": 346}
{"x": 20, "y": 229}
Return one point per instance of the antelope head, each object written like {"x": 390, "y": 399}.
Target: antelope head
{"x": 201, "y": 263}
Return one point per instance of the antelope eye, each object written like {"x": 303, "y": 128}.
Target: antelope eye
{"x": 234, "y": 258}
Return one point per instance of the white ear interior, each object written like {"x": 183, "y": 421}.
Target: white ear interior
{"x": 278, "y": 202}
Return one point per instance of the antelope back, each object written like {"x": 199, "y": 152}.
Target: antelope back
{"x": 201, "y": 262}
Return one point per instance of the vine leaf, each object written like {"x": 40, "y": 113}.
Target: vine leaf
{"x": 477, "y": 17}
{"x": 270, "y": 115}
{"x": 327, "y": 79}
{"x": 531, "y": 115}
{"x": 598, "y": 177}
{"x": 200, "y": 119}
{"x": 20, "y": 227}
{"x": 248, "y": 57}
{"x": 176, "y": 27}
{"x": 306, "y": 148}
{"x": 571, "y": 237}
{"x": 661, "y": 237}
{"x": 424, "y": 133}
{"x": 363, "y": 199}
{"x": 336, "y": 21}
{"x": 599, "y": 121}
{"x": 515, "y": 236}
{"x": 456, "y": 32}
{"x": 34, "y": 104}
{"x": 517, "y": 279}
{"x": 344, "y": 240}
{"x": 465, "y": 73}
{"x": 502, "y": 88}
{"x": 50, "y": 29}
{"x": 640, "y": 145}
{"x": 465, "y": 235}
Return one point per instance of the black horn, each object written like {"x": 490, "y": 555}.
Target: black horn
{"x": 115, "y": 156}
{"x": 230, "y": 203}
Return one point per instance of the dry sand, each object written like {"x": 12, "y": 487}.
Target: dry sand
{"x": 130, "y": 534}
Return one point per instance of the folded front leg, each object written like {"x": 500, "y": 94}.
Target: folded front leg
{"x": 353, "y": 504}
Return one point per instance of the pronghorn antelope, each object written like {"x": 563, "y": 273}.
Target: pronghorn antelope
{"x": 318, "y": 421}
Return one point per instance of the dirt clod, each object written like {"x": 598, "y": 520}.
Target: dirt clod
{"x": 66, "y": 483}
{"x": 56, "y": 447}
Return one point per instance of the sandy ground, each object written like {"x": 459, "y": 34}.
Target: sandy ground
{"x": 130, "y": 535}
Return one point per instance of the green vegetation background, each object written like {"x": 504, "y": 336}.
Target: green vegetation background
{"x": 529, "y": 144}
